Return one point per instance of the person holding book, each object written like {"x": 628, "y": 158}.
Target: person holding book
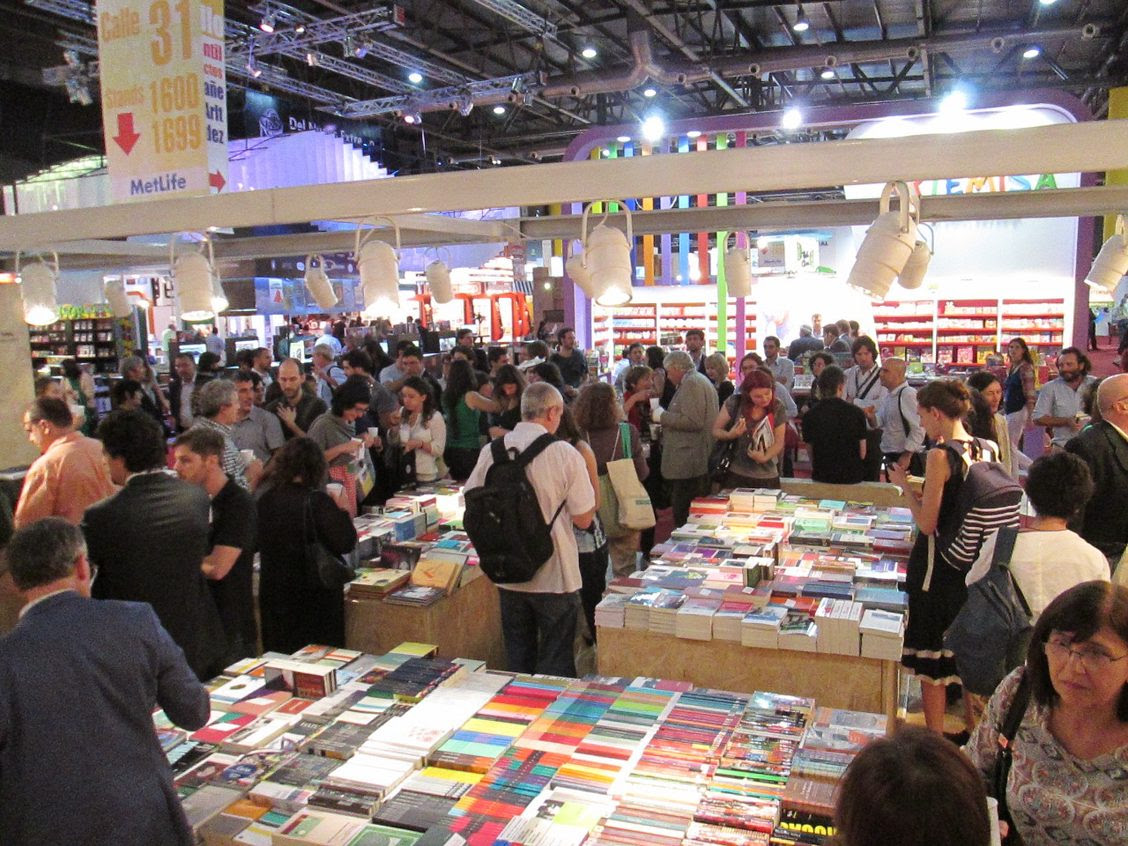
{"x": 757, "y": 421}
{"x": 79, "y": 680}
{"x": 1066, "y": 781}
{"x": 912, "y": 789}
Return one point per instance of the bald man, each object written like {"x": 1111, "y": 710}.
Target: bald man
{"x": 902, "y": 435}
{"x": 1104, "y": 447}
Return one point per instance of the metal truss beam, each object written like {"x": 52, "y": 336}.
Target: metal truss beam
{"x": 525, "y": 18}
{"x": 505, "y": 89}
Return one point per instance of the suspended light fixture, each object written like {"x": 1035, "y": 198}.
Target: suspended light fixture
{"x": 114, "y": 292}
{"x": 605, "y": 271}
{"x": 269, "y": 22}
{"x": 37, "y": 287}
{"x": 318, "y": 284}
{"x": 1111, "y": 263}
{"x": 438, "y": 280}
{"x": 193, "y": 280}
{"x": 911, "y": 276}
{"x": 378, "y": 264}
{"x": 887, "y": 245}
{"x": 738, "y": 269}
{"x": 802, "y": 24}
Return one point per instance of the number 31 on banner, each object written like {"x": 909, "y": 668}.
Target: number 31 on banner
{"x": 161, "y": 17}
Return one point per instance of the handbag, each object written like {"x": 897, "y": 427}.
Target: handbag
{"x": 322, "y": 566}
{"x": 635, "y": 510}
{"x": 1000, "y": 772}
{"x": 723, "y": 451}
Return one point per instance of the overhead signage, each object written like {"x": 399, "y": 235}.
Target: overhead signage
{"x": 164, "y": 97}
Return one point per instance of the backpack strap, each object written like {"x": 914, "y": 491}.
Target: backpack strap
{"x": 525, "y": 457}
{"x": 867, "y": 386}
{"x": 901, "y": 411}
{"x": 1004, "y": 549}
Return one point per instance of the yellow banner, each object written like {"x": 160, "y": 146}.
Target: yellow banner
{"x": 1117, "y": 110}
{"x": 164, "y": 97}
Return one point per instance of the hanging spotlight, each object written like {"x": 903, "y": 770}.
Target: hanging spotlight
{"x": 828, "y": 74}
{"x": 801, "y": 23}
{"x": 792, "y": 119}
{"x": 693, "y": 133}
{"x": 955, "y": 102}
{"x": 1032, "y": 52}
{"x": 114, "y": 292}
{"x": 653, "y": 128}
{"x": 219, "y": 296}
{"x": 318, "y": 284}
{"x": 361, "y": 49}
{"x": 589, "y": 52}
{"x": 193, "y": 280}
{"x": 912, "y": 274}
{"x": 300, "y": 29}
{"x": 377, "y": 262}
{"x": 605, "y": 271}
{"x": 415, "y": 77}
{"x": 499, "y": 110}
{"x": 438, "y": 279}
{"x": 887, "y": 246}
{"x": 37, "y": 287}
{"x": 1111, "y": 263}
{"x": 268, "y": 23}
{"x": 738, "y": 269}
{"x": 413, "y": 119}
{"x": 650, "y": 92}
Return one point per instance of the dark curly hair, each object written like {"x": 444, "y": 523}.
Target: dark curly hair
{"x": 596, "y": 408}
{"x": 135, "y": 437}
{"x": 352, "y": 391}
{"x": 460, "y": 381}
{"x": 300, "y": 462}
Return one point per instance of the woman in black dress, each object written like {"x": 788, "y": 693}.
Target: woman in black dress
{"x": 293, "y": 510}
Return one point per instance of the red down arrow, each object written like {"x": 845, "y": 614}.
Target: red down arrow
{"x": 126, "y": 137}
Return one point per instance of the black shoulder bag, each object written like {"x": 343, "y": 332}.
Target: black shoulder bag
{"x": 1001, "y": 771}
{"x": 323, "y": 567}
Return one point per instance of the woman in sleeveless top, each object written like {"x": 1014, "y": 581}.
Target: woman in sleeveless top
{"x": 935, "y": 586}
{"x": 462, "y": 408}
{"x": 1019, "y": 397}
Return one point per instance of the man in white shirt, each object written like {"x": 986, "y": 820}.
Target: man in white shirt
{"x": 1048, "y": 559}
{"x": 782, "y": 368}
{"x": 902, "y": 434}
{"x": 538, "y": 617}
{"x": 1059, "y": 401}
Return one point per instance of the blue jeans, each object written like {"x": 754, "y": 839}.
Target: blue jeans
{"x": 539, "y": 631}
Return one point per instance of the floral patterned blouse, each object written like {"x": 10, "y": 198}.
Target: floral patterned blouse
{"x": 1053, "y": 796}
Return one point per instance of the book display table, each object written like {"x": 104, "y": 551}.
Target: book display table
{"x": 837, "y": 681}
{"x": 465, "y": 624}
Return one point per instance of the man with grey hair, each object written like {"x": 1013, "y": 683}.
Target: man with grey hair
{"x": 326, "y": 371}
{"x": 687, "y": 433}
{"x": 79, "y": 760}
{"x": 805, "y": 343}
{"x": 218, "y": 404}
{"x": 1104, "y": 447}
{"x": 538, "y": 617}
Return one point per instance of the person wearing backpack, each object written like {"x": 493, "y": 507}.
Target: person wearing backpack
{"x": 538, "y": 614}
{"x": 966, "y": 495}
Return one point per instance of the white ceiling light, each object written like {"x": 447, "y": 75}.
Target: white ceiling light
{"x": 955, "y": 102}
{"x": 193, "y": 280}
{"x": 377, "y": 262}
{"x": 604, "y": 271}
{"x": 653, "y": 128}
{"x": 37, "y": 287}
{"x": 693, "y": 133}
{"x": 589, "y": 52}
{"x": 499, "y": 110}
{"x": 415, "y": 77}
{"x": 114, "y": 292}
{"x": 911, "y": 276}
{"x": 269, "y": 22}
{"x": 792, "y": 119}
{"x": 888, "y": 244}
{"x": 1111, "y": 263}
{"x": 318, "y": 284}
{"x": 650, "y": 92}
{"x": 801, "y": 23}
{"x": 438, "y": 280}
{"x": 828, "y": 74}
{"x": 1032, "y": 52}
{"x": 1047, "y": 2}
{"x": 623, "y": 139}
{"x": 738, "y": 267}
{"x": 219, "y": 297}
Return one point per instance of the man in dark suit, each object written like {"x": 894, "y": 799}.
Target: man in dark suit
{"x": 148, "y": 541}
{"x": 79, "y": 759}
{"x": 1104, "y": 447}
{"x": 182, "y": 388}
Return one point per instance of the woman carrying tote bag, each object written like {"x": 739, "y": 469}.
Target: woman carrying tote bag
{"x": 599, "y": 415}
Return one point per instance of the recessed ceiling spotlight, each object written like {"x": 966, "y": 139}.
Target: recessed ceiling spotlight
{"x": 693, "y": 133}
{"x": 653, "y": 128}
{"x": 828, "y": 74}
{"x": 623, "y": 139}
{"x": 801, "y": 23}
{"x": 415, "y": 77}
{"x": 650, "y": 92}
{"x": 1032, "y": 52}
{"x": 792, "y": 119}
{"x": 589, "y": 52}
{"x": 956, "y": 101}
{"x": 499, "y": 110}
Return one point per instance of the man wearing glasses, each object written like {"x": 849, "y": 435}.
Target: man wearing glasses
{"x": 1104, "y": 447}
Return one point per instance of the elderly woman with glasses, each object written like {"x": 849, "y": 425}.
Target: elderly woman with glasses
{"x": 1067, "y": 780}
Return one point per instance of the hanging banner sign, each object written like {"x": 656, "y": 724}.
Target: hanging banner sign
{"x": 164, "y": 97}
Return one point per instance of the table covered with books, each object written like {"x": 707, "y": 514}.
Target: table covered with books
{"x": 418, "y": 580}
{"x": 768, "y": 590}
{"x": 335, "y": 746}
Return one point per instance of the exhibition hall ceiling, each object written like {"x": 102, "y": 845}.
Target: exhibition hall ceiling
{"x": 476, "y": 83}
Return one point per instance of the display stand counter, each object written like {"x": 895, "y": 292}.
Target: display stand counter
{"x": 466, "y": 624}
{"x": 879, "y": 493}
{"x": 837, "y": 681}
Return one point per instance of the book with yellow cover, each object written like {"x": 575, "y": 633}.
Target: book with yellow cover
{"x": 436, "y": 573}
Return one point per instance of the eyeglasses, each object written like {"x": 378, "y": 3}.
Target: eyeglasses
{"x": 1093, "y": 661}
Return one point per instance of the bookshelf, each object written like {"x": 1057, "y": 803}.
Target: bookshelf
{"x": 906, "y": 329}
{"x": 89, "y": 340}
{"x": 1041, "y": 323}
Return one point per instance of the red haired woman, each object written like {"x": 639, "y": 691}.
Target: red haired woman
{"x": 756, "y": 420}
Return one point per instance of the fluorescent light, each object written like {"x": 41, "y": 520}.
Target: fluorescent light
{"x": 589, "y": 52}
{"x": 650, "y": 92}
{"x": 1032, "y": 52}
{"x": 828, "y": 74}
{"x": 653, "y": 128}
{"x": 693, "y": 133}
{"x": 792, "y": 119}
{"x": 623, "y": 139}
{"x": 956, "y": 101}
{"x": 415, "y": 77}
{"x": 499, "y": 110}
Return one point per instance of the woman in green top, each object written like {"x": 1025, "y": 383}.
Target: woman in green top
{"x": 462, "y": 408}
{"x": 80, "y": 392}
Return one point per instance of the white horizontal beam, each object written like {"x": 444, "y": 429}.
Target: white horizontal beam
{"x": 1067, "y": 148}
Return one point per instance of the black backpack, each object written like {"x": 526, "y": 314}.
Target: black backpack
{"x": 503, "y": 517}
{"x": 991, "y": 634}
{"x": 987, "y": 500}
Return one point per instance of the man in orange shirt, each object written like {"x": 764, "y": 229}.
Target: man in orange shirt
{"x": 69, "y": 476}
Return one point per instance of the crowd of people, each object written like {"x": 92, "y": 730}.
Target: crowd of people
{"x": 174, "y": 495}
